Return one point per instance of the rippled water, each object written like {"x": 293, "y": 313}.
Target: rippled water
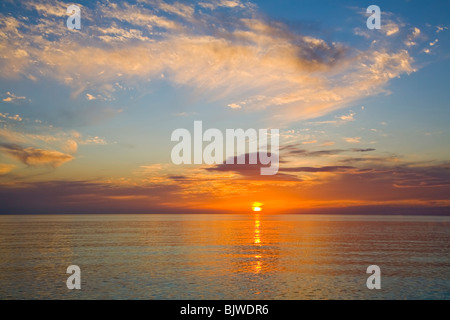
{"x": 224, "y": 256}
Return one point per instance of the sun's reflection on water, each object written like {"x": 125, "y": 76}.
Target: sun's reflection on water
{"x": 257, "y": 237}
{"x": 257, "y": 242}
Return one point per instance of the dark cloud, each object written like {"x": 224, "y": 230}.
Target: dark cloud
{"x": 295, "y": 149}
{"x": 406, "y": 175}
{"x": 405, "y": 186}
{"x": 179, "y": 178}
{"x": 320, "y": 153}
{"x": 421, "y": 177}
{"x": 318, "y": 169}
{"x": 364, "y": 150}
{"x": 251, "y": 171}
{"x": 386, "y": 160}
{"x": 378, "y": 210}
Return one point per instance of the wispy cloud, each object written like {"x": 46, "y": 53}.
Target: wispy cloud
{"x": 213, "y": 4}
{"x": 318, "y": 169}
{"x": 11, "y": 117}
{"x": 411, "y": 39}
{"x": 353, "y": 140}
{"x": 441, "y": 28}
{"x": 234, "y": 106}
{"x": 339, "y": 120}
{"x": 11, "y": 97}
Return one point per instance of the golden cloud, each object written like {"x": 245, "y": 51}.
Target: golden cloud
{"x": 6, "y": 168}
{"x": 36, "y": 157}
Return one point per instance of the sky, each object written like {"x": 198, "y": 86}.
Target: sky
{"x": 86, "y": 116}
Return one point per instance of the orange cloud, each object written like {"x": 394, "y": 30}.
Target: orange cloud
{"x": 6, "y": 168}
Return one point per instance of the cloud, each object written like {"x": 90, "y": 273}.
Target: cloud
{"x": 93, "y": 140}
{"x": 138, "y": 16}
{"x": 339, "y": 120}
{"x": 114, "y": 34}
{"x": 318, "y": 169}
{"x": 310, "y": 142}
{"x": 411, "y": 39}
{"x": 46, "y": 138}
{"x": 6, "y": 168}
{"x": 12, "y": 97}
{"x": 70, "y": 146}
{"x": 221, "y": 3}
{"x": 379, "y": 183}
{"x": 320, "y": 153}
{"x": 349, "y": 117}
{"x": 260, "y": 62}
{"x": 11, "y": 136}
{"x": 371, "y": 161}
{"x": 177, "y": 8}
{"x": 253, "y": 171}
{"x": 35, "y": 157}
{"x": 416, "y": 32}
{"x": 234, "y": 106}
{"x": 390, "y": 29}
{"x": 90, "y": 97}
{"x": 364, "y": 150}
{"x": 434, "y": 42}
{"x": 48, "y": 8}
{"x": 430, "y": 46}
{"x": 294, "y": 150}
{"x": 181, "y": 114}
{"x": 353, "y": 140}
{"x": 250, "y": 171}
{"x": 7, "y": 116}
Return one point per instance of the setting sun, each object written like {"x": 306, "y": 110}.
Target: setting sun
{"x": 256, "y": 206}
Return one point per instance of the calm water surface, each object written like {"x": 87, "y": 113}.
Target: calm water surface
{"x": 224, "y": 256}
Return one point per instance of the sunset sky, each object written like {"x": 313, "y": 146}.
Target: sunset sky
{"x": 86, "y": 115}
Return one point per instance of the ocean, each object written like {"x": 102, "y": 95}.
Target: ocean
{"x": 219, "y": 256}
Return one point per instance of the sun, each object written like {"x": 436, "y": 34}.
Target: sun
{"x": 257, "y": 206}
